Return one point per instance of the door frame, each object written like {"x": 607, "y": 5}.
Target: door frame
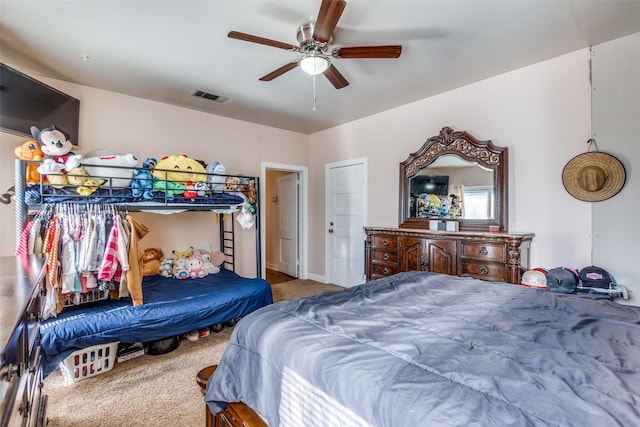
{"x": 303, "y": 225}
{"x": 351, "y": 162}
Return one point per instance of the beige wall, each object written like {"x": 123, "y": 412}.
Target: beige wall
{"x": 147, "y": 128}
{"x": 541, "y": 112}
{"x": 616, "y": 128}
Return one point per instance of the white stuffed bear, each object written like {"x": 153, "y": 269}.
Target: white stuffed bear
{"x": 206, "y": 261}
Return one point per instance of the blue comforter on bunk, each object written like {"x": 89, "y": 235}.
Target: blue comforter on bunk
{"x": 171, "y": 307}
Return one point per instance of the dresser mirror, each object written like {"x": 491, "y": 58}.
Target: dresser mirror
{"x": 455, "y": 177}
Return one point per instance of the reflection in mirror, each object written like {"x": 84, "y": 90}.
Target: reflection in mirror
{"x": 452, "y": 188}
{"x": 455, "y": 176}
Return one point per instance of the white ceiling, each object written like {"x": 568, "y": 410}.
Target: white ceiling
{"x": 166, "y": 50}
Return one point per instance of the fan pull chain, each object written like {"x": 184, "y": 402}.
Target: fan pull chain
{"x": 314, "y": 93}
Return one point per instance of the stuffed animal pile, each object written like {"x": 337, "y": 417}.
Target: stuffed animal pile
{"x": 190, "y": 263}
{"x": 63, "y": 168}
{"x": 171, "y": 176}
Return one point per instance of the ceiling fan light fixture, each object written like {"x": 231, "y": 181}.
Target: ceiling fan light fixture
{"x": 314, "y": 64}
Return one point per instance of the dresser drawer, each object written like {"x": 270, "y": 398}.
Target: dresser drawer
{"x": 491, "y": 271}
{"x": 486, "y": 256}
{"x": 383, "y": 270}
{"x": 382, "y": 256}
{"x": 385, "y": 241}
{"x": 484, "y": 251}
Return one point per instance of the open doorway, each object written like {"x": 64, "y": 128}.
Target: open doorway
{"x": 284, "y": 232}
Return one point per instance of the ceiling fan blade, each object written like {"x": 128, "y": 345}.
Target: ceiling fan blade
{"x": 328, "y": 17}
{"x": 280, "y": 71}
{"x": 336, "y": 79}
{"x": 261, "y": 40}
{"x": 367, "y": 52}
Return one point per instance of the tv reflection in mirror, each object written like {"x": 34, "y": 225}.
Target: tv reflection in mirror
{"x": 429, "y": 196}
{"x": 430, "y": 184}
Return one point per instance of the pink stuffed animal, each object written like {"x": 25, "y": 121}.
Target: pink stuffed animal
{"x": 195, "y": 267}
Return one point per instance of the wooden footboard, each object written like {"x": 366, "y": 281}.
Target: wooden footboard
{"x": 236, "y": 414}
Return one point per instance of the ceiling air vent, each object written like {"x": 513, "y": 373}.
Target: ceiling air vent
{"x": 216, "y": 98}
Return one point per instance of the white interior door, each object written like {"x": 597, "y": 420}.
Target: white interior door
{"x": 346, "y": 210}
{"x": 288, "y": 224}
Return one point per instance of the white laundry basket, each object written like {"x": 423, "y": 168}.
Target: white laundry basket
{"x": 89, "y": 362}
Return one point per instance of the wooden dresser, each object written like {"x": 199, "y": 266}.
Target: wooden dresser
{"x": 488, "y": 256}
{"x": 21, "y": 292}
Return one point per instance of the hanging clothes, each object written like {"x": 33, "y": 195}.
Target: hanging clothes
{"x": 88, "y": 247}
{"x": 52, "y": 249}
{"x": 68, "y": 273}
{"x": 23, "y": 242}
{"x": 134, "y": 275}
{"x": 116, "y": 256}
{"x": 125, "y": 227}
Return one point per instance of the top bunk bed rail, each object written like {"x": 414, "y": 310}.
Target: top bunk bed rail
{"x": 132, "y": 186}
{"x": 136, "y": 190}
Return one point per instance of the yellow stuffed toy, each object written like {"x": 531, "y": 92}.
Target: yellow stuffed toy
{"x": 89, "y": 186}
{"x": 179, "y": 168}
{"x": 85, "y": 185}
{"x": 183, "y": 254}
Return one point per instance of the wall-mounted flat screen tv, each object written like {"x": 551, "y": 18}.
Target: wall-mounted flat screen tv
{"x": 26, "y": 102}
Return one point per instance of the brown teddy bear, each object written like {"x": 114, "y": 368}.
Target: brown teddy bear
{"x": 151, "y": 258}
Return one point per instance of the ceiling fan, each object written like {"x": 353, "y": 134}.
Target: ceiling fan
{"x": 314, "y": 38}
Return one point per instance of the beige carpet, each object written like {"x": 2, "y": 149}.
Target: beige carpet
{"x": 151, "y": 391}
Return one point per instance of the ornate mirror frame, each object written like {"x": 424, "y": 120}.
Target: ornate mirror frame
{"x": 468, "y": 148}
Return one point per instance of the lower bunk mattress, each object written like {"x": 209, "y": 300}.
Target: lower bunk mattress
{"x": 171, "y": 307}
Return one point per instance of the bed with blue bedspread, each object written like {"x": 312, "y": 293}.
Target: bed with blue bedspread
{"x": 423, "y": 349}
{"x": 171, "y": 307}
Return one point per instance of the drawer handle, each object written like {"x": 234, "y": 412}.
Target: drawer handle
{"x": 483, "y": 250}
{"x": 385, "y": 271}
{"x": 484, "y": 270}
{"x": 385, "y": 257}
{"x": 385, "y": 242}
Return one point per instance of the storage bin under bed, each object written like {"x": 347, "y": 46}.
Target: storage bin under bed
{"x": 89, "y": 362}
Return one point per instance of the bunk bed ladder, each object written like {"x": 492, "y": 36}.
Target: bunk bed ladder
{"x": 227, "y": 240}
{"x": 227, "y": 237}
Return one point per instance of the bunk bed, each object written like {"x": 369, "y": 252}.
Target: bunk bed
{"x": 168, "y": 306}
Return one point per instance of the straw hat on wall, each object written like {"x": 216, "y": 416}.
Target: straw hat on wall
{"x": 593, "y": 176}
